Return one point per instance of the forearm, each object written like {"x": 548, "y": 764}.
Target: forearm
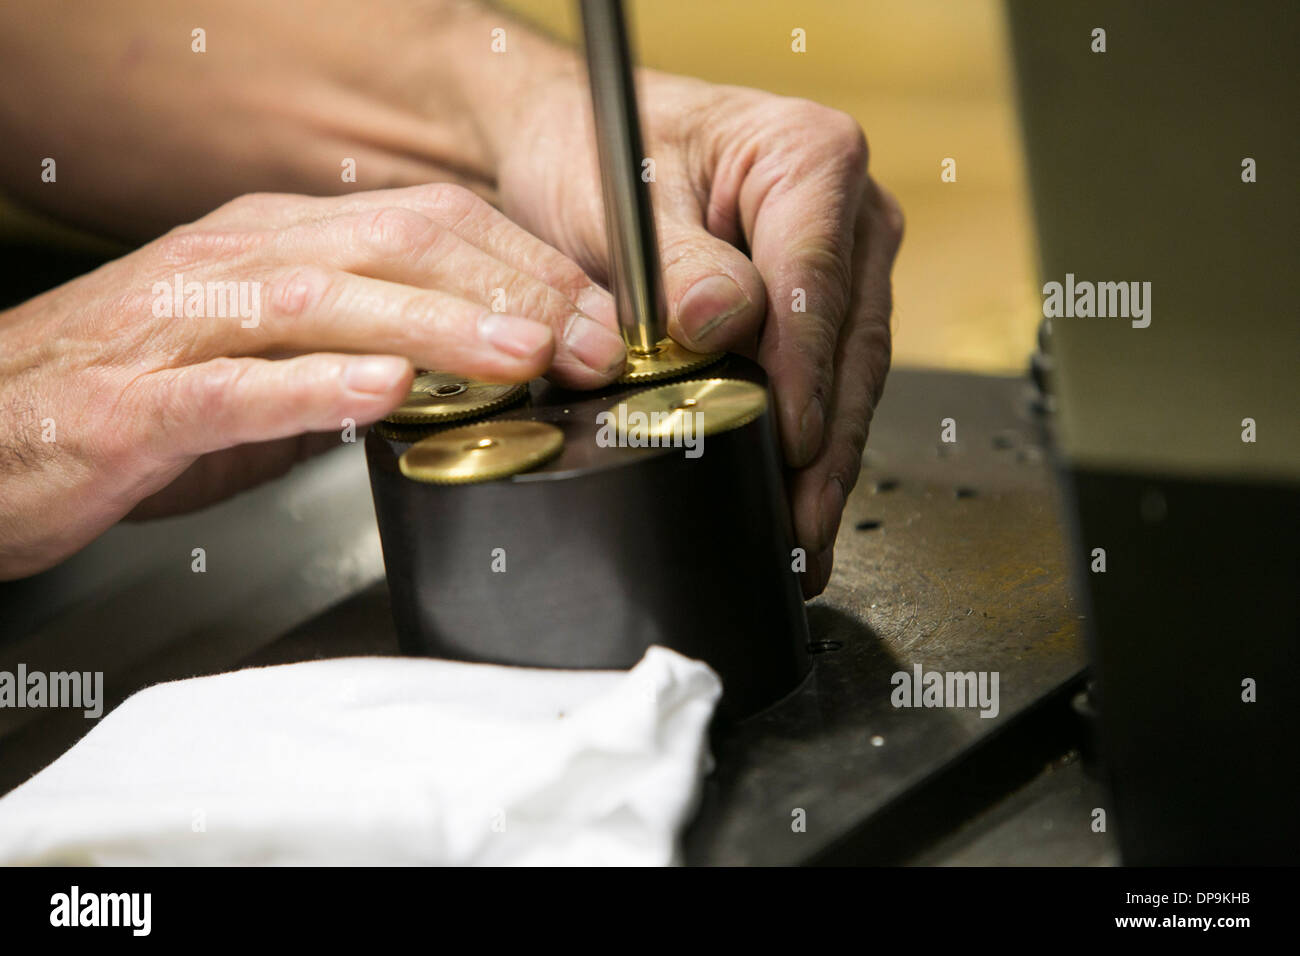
{"x": 147, "y": 133}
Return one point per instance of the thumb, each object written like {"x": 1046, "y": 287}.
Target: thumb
{"x": 715, "y": 295}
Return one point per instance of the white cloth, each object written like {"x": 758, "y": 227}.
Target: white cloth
{"x": 377, "y": 760}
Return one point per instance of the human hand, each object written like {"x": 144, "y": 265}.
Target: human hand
{"x": 111, "y": 406}
{"x": 775, "y": 243}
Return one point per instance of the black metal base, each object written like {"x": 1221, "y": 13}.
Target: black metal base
{"x": 1198, "y": 596}
{"x": 592, "y": 558}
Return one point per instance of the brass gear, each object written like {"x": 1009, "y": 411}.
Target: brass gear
{"x": 483, "y": 451}
{"x": 724, "y": 403}
{"x": 437, "y": 397}
{"x": 668, "y": 360}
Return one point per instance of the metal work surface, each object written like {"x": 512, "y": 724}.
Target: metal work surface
{"x": 1041, "y": 824}
{"x": 958, "y": 566}
{"x": 951, "y": 557}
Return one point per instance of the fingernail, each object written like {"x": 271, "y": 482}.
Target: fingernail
{"x": 599, "y": 304}
{"x": 374, "y": 376}
{"x": 812, "y": 425}
{"x": 517, "y": 337}
{"x": 594, "y": 345}
{"x": 709, "y": 303}
{"x": 832, "y": 506}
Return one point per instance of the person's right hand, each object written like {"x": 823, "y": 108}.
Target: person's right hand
{"x": 108, "y": 409}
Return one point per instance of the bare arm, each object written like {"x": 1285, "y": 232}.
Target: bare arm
{"x": 147, "y": 134}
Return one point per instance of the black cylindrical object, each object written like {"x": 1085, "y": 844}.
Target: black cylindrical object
{"x": 591, "y": 558}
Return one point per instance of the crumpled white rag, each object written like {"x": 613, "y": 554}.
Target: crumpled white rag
{"x": 376, "y": 760}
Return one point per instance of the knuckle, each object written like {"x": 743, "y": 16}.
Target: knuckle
{"x": 836, "y": 129}
{"x": 699, "y": 254}
{"x": 877, "y": 316}
{"x": 190, "y": 245}
{"x": 855, "y": 440}
{"x": 300, "y": 291}
{"x": 452, "y": 201}
{"x": 895, "y": 221}
{"x": 820, "y": 340}
{"x": 392, "y": 230}
{"x": 202, "y": 392}
{"x": 676, "y": 248}
{"x": 874, "y": 322}
{"x": 850, "y": 139}
{"x": 419, "y": 312}
{"x": 851, "y": 440}
{"x": 531, "y": 298}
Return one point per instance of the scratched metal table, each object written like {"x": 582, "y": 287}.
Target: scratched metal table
{"x": 950, "y": 556}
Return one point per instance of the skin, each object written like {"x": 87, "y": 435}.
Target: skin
{"x": 756, "y": 196}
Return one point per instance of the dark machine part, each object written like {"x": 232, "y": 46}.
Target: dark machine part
{"x": 606, "y": 551}
{"x": 1138, "y": 158}
{"x": 1205, "y": 599}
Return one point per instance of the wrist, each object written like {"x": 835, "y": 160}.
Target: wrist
{"x": 499, "y": 69}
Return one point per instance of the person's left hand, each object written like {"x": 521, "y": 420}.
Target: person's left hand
{"x": 734, "y": 170}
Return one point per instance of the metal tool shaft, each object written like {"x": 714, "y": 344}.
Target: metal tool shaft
{"x": 629, "y": 220}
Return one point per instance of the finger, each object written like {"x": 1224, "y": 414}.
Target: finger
{"x": 228, "y": 402}
{"x": 802, "y": 242}
{"x": 404, "y": 246}
{"x": 585, "y": 357}
{"x": 714, "y": 294}
{"x": 820, "y": 490}
{"x": 310, "y": 308}
{"x": 454, "y": 208}
{"x": 483, "y": 225}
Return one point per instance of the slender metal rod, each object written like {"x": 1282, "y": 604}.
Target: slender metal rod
{"x": 629, "y": 220}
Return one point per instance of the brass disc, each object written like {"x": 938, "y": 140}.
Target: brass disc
{"x": 667, "y": 361}
{"x": 483, "y": 451}
{"x": 724, "y": 403}
{"x": 445, "y": 397}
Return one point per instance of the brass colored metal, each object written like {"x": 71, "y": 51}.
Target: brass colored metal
{"x": 667, "y": 360}
{"x": 724, "y": 403}
{"x": 483, "y": 451}
{"x": 445, "y": 397}
{"x": 408, "y": 432}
